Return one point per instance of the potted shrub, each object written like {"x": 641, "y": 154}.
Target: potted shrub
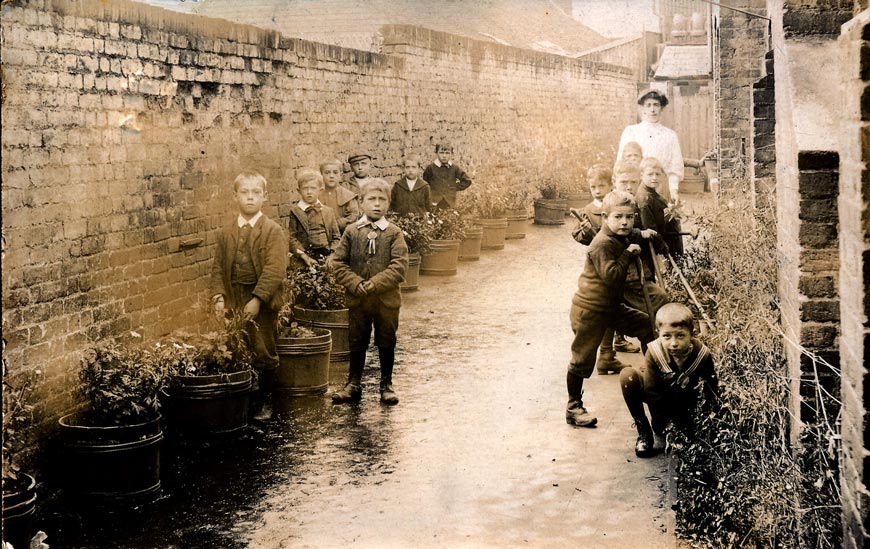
{"x": 516, "y": 200}
{"x": 448, "y": 228}
{"x": 318, "y": 302}
{"x": 19, "y": 488}
{"x": 112, "y": 446}
{"x": 210, "y": 378}
{"x": 489, "y": 208}
{"x": 304, "y": 355}
{"x": 550, "y": 208}
{"x": 418, "y": 235}
{"x": 470, "y": 243}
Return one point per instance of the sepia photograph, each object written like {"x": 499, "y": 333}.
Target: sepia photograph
{"x": 435, "y": 274}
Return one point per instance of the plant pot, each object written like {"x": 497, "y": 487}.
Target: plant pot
{"x": 19, "y": 512}
{"x": 576, "y": 201}
{"x": 550, "y": 211}
{"x": 441, "y": 259}
{"x": 207, "y": 406}
{"x": 334, "y": 320}
{"x": 494, "y": 232}
{"x": 412, "y": 275}
{"x": 116, "y": 465}
{"x": 303, "y": 367}
{"x": 516, "y": 224}
{"x": 469, "y": 247}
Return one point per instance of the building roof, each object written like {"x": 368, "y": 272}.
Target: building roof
{"x": 684, "y": 62}
{"x": 539, "y": 25}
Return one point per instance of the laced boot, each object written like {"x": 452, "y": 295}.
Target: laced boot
{"x": 352, "y": 391}
{"x": 622, "y": 346}
{"x": 575, "y": 413}
{"x": 607, "y": 363}
{"x": 644, "y": 446}
{"x": 261, "y": 400}
{"x": 387, "y": 357}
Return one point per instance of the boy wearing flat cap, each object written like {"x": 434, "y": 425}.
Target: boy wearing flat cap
{"x": 360, "y": 164}
{"x": 445, "y": 178}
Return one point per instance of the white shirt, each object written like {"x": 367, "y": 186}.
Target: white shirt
{"x": 597, "y": 203}
{"x": 410, "y": 183}
{"x": 253, "y": 221}
{"x": 381, "y": 223}
{"x": 660, "y": 143}
{"x": 439, "y": 164}
{"x": 305, "y": 205}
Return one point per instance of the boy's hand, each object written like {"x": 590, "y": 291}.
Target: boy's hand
{"x": 252, "y": 308}
{"x": 219, "y": 306}
{"x": 648, "y": 233}
{"x": 361, "y": 289}
{"x": 308, "y": 260}
{"x": 368, "y": 285}
{"x": 633, "y": 249}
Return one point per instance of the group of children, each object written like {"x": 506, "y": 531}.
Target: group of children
{"x": 625, "y": 227}
{"x": 344, "y": 222}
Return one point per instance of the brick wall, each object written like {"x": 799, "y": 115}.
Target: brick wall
{"x": 814, "y": 17}
{"x": 739, "y": 44}
{"x": 854, "y": 208}
{"x": 762, "y": 140}
{"x": 124, "y": 125}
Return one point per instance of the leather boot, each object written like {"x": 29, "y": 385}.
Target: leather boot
{"x": 644, "y": 446}
{"x": 352, "y": 391}
{"x": 607, "y": 363}
{"x": 575, "y": 413}
{"x": 623, "y": 346}
{"x": 387, "y": 356}
{"x": 262, "y": 398}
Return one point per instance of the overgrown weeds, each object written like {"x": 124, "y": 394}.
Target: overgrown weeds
{"x": 741, "y": 481}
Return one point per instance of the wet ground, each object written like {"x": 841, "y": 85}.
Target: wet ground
{"x": 477, "y": 453}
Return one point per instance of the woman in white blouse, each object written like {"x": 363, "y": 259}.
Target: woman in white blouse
{"x": 656, "y": 140}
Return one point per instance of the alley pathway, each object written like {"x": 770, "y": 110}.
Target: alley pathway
{"x": 477, "y": 454}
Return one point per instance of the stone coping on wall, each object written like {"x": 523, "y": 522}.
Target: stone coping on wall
{"x": 816, "y": 117}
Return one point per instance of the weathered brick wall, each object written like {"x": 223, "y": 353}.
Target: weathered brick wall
{"x": 854, "y": 209}
{"x": 814, "y": 17}
{"x": 125, "y": 124}
{"x": 739, "y": 44}
{"x": 762, "y": 140}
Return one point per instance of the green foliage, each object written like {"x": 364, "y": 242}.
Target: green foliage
{"x": 120, "y": 382}
{"x": 549, "y": 188}
{"x": 315, "y": 288}
{"x": 448, "y": 224}
{"x": 224, "y": 350}
{"x": 416, "y": 229}
{"x": 741, "y": 484}
{"x": 17, "y": 417}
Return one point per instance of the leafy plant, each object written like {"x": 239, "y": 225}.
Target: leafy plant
{"x": 518, "y": 197}
{"x": 17, "y": 419}
{"x": 549, "y": 188}
{"x": 315, "y": 287}
{"x": 448, "y": 224}
{"x": 416, "y": 230}
{"x": 120, "y": 382}
{"x": 485, "y": 200}
{"x": 221, "y": 351}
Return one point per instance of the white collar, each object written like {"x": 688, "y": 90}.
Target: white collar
{"x": 411, "y": 183}
{"x": 253, "y": 221}
{"x": 440, "y": 165}
{"x": 381, "y": 223}
{"x": 597, "y": 203}
{"x": 305, "y": 205}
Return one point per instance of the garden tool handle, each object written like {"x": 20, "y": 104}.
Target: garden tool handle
{"x": 689, "y": 290}
{"x": 646, "y": 299}
{"x": 660, "y": 280}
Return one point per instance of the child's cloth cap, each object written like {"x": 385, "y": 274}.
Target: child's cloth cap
{"x": 357, "y": 157}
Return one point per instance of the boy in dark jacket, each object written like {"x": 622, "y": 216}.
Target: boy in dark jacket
{"x": 598, "y": 303}
{"x": 370, "y": 262}
{"x": 247, "y": 275}
{"x": 411, "y": 194}
{"x": 652, "y": 205}
{"x": 675, "y": 366}
{"x": 342, "y": 201}
{"x": 445, "y": 178}
{"x": 314, "y": 229}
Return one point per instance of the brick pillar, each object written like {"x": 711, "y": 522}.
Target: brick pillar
{"x": 763, "y": 138}
{"x": 854, "y": 210}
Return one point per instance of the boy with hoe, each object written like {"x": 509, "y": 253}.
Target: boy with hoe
{"x": 598, "y": 303}
{"x": 675, "y": 365}
{"x": 313, "y": 228}
{"x": 360, "y": 165}
{"x": 370, "y": 262}
{"x": 411, "y": 195}
{"x": 249, "y": 268}
{"x": 342, "y": 201}
{"x": 653, "y": 207}
{"x": 445, "y": 178}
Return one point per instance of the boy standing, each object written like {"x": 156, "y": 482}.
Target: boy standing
{"x": 675, "y": 365}
{"x": 411, "y": 195}
{"x": 249, "y": 268}
{"x": 360, "y": 165}
{"x": 342, "y": 201}
{"x": 598, "y": 303}
{"x": 313, "y": 228}
{"x": 445, "y": 178}
{"x": 652, "y": 205}
{"x": 370, "y": 262}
